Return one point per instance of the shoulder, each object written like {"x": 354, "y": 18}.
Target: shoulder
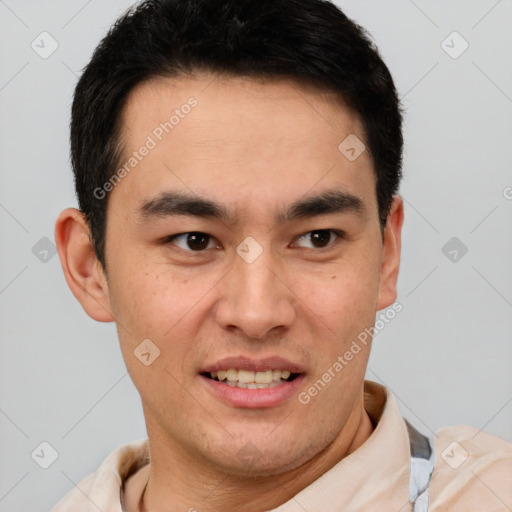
{"x": 472, "y": 471}
{"x": 101, "y": 489}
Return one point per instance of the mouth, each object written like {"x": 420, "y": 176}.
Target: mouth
{"x": 242, "y": 382}
{"x": 247, "y": 379}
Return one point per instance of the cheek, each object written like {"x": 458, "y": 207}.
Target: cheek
{"x": 166, "y": 305}
{"x": 343, "y": 298}
{"x": 151, "y": 306}
{"x": 144, "y": 302}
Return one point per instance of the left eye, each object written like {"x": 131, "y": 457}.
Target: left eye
{"x": 320, "y": 238}
{"x": 193, "y": 241}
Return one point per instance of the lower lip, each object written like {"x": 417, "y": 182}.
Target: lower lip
{"x": 254, "y": 398}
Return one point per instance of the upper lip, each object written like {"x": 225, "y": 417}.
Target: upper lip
{"x": 255, "y": 365}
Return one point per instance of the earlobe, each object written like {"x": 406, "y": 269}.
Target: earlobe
{"x": 391, "y": 249}
{"x": 81, "y": 268}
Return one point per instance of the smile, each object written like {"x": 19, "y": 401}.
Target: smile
{"x": 250, "y": 379}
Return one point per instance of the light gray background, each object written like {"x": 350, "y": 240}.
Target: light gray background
{"x": 446, "y": 356}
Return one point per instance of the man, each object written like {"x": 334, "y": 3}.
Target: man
{"x": 237, "y": 166}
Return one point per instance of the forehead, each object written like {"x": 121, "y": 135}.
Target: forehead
{"x": 234, "y": 102}
{"x": 214, "y": 135}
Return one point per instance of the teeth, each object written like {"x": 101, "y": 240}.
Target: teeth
{"x": 232, "y": 375}
{"x": 251, "y": 380}
{"x": 245, "y": 376}
{"x": 264, "y": 377}
{"x": 251, "y": 385}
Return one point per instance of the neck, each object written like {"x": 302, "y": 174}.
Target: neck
{"x": 178, "y": 482}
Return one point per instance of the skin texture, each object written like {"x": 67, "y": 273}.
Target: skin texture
{"x": 256, "y": 146}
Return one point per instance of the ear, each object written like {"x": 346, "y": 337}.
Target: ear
{"x": 82, "y": 270}
{"x": 391, "y": 248}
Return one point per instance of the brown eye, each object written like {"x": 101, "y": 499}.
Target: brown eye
{"x": 194, "y": 241}
{"x": 320, "y": 238}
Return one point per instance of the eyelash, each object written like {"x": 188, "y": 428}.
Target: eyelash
{"x": 339, "y": 235}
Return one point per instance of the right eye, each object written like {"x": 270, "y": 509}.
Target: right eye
{"x": 194, "y": 241}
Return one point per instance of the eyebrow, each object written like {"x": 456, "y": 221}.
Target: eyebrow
{"x": 178, "y": 203}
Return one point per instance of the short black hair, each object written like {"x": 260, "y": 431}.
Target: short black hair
{"x": 305, "y": 40}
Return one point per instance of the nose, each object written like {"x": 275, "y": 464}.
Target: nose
{"x": 256, "y": 298}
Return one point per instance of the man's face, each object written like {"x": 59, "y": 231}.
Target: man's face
{"x": 301, "y": 288}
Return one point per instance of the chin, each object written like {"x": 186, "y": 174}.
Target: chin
{"x": 255, "y": 460}
{"x": 261, "y": 468}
